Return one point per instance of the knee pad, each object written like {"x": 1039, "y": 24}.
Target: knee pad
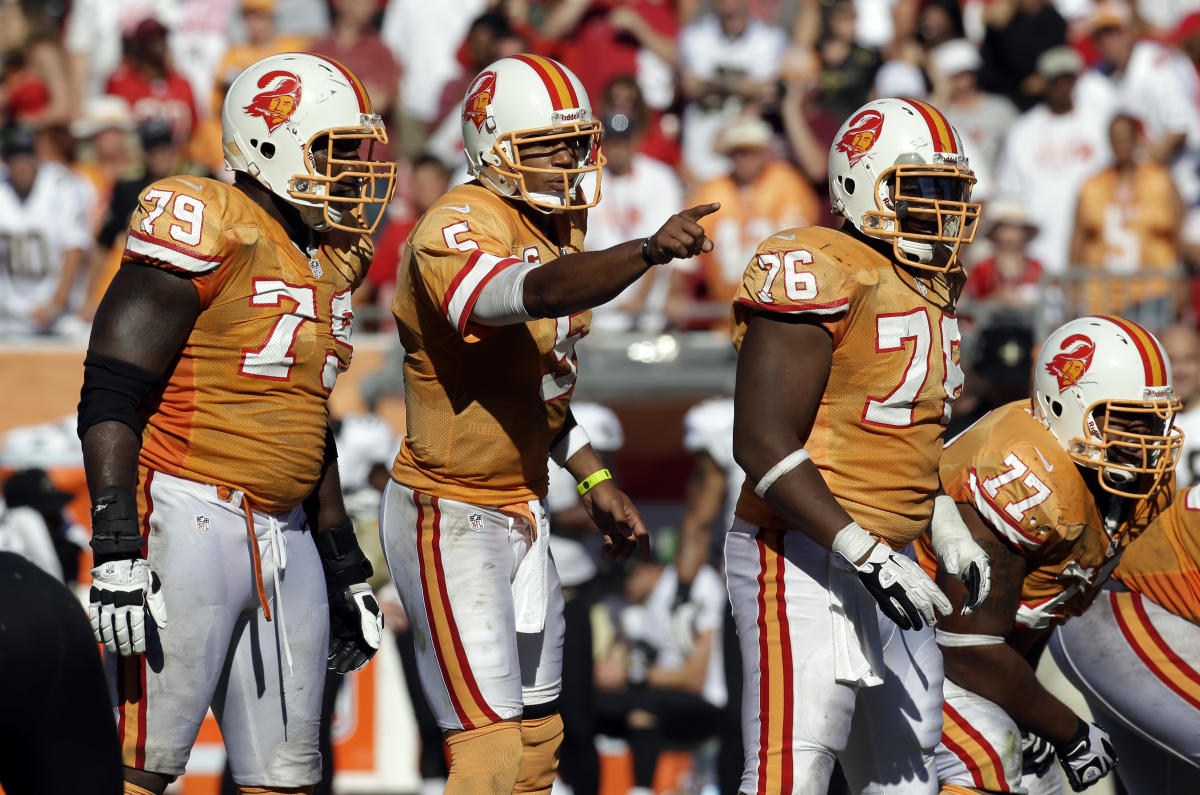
{"x": 540, "y": 739}
{"x": 484, "y": 761}
{"x": 244, "y": 790}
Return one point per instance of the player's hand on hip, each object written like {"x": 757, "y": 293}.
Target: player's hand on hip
{"x": 123, "y": 591}
{"x": 1037, "y": 754}
{"x": 958, "y": 553}
{"x": 355, "y": 627}
{"x": 904, "y": 592}
{"x": 1087, "y": 757}
{"x": 681, "y": 236}
{"x": 616, "y": 517}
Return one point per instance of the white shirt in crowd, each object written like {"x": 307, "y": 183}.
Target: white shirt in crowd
{"x": 632, "y": 209}
{"x": 23, "y": 531}
{"x": 424, "y": 37}
{"x": 708, "y": 428}
{"x": 1046, "y": 158}
{"x": 35, "y": 235}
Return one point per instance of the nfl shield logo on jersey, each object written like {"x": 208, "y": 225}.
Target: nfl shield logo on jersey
{"x": 202, "y": 523}
{"x": 476, "y": 522}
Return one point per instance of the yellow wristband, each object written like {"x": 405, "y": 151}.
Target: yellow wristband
{"x": 591, "y": 480}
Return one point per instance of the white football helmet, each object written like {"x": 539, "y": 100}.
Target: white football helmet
{"x": 529, "y": 99}
{"x": 277, "y": 108}
{"x": 1102, "y": 385}
{"x": 896, "y": 171}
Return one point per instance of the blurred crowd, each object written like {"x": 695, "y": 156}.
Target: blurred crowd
{"x": 1081, "y": 120}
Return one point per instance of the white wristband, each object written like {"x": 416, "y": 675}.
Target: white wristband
{"x": 853, "y": 543}
{"x": 945, "y": 514}
{"x": 786, "y": 465}
{"x": 568, "y": 445}
{"x": 960, "y": 639}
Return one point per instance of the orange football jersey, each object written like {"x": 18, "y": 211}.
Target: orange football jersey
{"x": 244, "y": 405}
{"x": 483, "y": 402}
{"x": 1027, "y": 489}
{"x": 878, "y": 431}
{"x": 1163, "y": 563}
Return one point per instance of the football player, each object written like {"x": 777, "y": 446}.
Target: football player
{"x": 208, "y": 453}
{"x": 848, "y": 363}
{"x": 1135, "y": 653}
{"x": 493, "y": 294}
{"x": 1052, "y": 488}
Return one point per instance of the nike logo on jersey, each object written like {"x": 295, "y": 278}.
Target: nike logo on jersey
{"x": 1049, "y": 467}
{"x": 192, "y": 185}
{"x": 466, "y": 208}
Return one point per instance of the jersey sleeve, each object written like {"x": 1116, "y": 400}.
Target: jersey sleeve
{"x": 457, "y": 254}
{"x": 1013, "y": 492}
{"x": 178, "y": 226}
{"x": 786, "y": 278}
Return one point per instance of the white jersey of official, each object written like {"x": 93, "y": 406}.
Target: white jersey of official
{"x": 35, "y": 235}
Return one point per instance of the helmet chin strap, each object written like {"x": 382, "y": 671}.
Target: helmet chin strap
{"x": 314, "y": 217}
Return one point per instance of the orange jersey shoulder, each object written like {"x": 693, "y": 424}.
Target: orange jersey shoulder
{"x": 1163, "y": 563}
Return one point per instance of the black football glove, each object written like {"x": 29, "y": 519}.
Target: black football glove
{"x": 355, "y": 619}
{"x": 1087, "y": 757}
{"x": 1037, "y": 754}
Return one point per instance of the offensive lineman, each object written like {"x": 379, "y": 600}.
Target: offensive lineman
{"x": 204, "y": 424}
{"x": 1135, "y": 653}
{"x": 1052, "y": 489}
{"x": 493, "y": 293}
{"x": 847, "y": 368}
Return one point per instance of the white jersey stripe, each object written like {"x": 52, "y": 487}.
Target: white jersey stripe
{"x": 997, "y": 520}
{"x": 466, "y": 286}
{"x": 178, "y": 259}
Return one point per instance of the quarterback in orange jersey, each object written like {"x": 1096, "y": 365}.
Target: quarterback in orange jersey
{"x": 1135, "y": 653}
{"x": 206, "y": 443}
{"x": 1053, "y": 489}
{"x": 492, "y": 295}
{"x": 848, "y": 364}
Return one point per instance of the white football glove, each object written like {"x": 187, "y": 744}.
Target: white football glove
{"x": 958, "y": 553}
{"x": 122, "y": 592}
{"x": 1087, "y": 757}
{"x": 683, "y": 627}
{"x": 904, "y": 592}
{"x": 355, "y": 627}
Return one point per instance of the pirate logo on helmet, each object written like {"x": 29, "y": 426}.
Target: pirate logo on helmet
{"x": 277, "y": 104}
{"x": 1072, "y": 361}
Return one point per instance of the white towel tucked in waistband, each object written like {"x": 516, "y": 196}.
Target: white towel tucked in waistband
{"x": 857, "y": 648}
{"x": 531, "y": 585}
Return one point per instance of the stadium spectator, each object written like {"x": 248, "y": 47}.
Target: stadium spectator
{"x": 1133, "y": 650}
{"x": 1008, "y": 279}
{"x": 983, "y": 119}
{"x": 35, "y": 88}
{"x": 998, "y": 367}
{"x": 1048, "y": 153}
{"x": 835, "y": 625}
{"x": 1157, "y": 85}
{"x": 1017, "y": 33}
{"x": 428, "y": 180}
{"x": 847, "y": 68}
{"x": 44, "y": 223}
{"x": 808, "y": 126}
{"x": 211, "y": 274}
{"x": 466, "y": 486}
{"x": 1127, "y": 221}
{"x": 147, "y": 81}
{"x": 659, "y": 137}
{"x": 103, "y": 131}
{"x": 58, "y": 731}
{"x": 1181, "y": 342}
{"x": 601, "y": 40}
{"x": 635, "y": 186}
{"x": 662, "y": 683}
{"x": 761, "y": 194}
{"x": 354, "y": 42}
{"x": 262, "y": 39}
{"x": 729, "y": 65}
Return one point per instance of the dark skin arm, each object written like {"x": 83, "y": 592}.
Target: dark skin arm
{"x": 703, "y": 502}
{"x": 144, "y": 319}
{"x": 999, "y": 672}
{"x": 610, "y": 509}
{"x": 576, "y": 282}
{"x": 781, "y": 374}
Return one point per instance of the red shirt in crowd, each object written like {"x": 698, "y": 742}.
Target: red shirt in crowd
{"x": 985, "y": 278}
{"x": 169, "y": 98}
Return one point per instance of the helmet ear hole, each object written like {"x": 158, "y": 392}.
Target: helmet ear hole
{"x": 267, "y": 149}
{"x": 848, "y": 185}
{"x": 1056, "y": 408}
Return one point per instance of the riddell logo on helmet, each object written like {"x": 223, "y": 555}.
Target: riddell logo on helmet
{"x": 861, "y": 135}
{"x": 1073, "y": 359}
{"x": 478, "y": 99}
{"x": 277, "y": 104}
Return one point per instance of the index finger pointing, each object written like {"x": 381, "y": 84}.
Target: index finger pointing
{"x": 700, "y": 210}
